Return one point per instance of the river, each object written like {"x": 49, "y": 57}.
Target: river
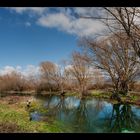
{"x": 90, "y": 115}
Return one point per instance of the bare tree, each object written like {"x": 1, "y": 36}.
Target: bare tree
{"x": 119, "y": 19}
{"x": 79, "y": 72}
{"x": 64, "y": 78}
{"x": 98, "y": 78}
{"x": 126, "y": 20}
{"x": 50, "y": 73}
{"x": 53, "y": 75}
{"x": 12, "y": 81}
{"x": 116, "y": 57}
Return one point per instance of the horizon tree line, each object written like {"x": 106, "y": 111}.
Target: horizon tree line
{"x": 116, "y": 54}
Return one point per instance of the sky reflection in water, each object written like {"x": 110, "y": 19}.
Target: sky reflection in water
{"x": 92, "y": 115}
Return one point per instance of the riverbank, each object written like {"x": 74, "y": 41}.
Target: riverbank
{"x": 15, "y": 118}
{"x": 131, "y": 98}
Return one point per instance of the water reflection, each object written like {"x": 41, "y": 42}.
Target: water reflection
{"x": 123, "y": 118}
{"x": 93, "y": 115}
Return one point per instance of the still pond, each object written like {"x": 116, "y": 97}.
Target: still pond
{"x": 89, "y": 115}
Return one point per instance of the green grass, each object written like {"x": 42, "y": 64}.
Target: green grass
{"x": 71, "y": 94}
{"x": 37, "y": 106}
{"x": 100, "y": 94}
{"x": 19, "y": 118}
{"x": 131, "y": 98}
{"x": 15, "y": 118}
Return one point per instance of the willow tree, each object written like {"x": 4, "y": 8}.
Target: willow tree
{"x": 117, "y": 58}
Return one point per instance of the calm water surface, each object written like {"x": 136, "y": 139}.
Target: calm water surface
{"x": 90, "y": 115}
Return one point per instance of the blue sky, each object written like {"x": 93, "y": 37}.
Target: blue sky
{"x": 22, "y": 45}
{"x": 30, "y": 35}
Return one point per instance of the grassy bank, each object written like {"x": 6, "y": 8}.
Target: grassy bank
{"x": 14, "y": 118}
{"x": 131, "y": 98}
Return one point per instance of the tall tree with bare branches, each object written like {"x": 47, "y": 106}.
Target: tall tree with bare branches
{"x": 54, "y": 74}
{"x": 116, "y": 57}
{"x": 50, "y": 73}
{"x": 80, "y": 71}
{"x": 126, "y": 20}
{"x": 119, "y": 19}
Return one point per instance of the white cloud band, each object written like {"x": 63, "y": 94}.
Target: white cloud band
{"x": 30, "y": 70}
{"x": 63, "y": 19}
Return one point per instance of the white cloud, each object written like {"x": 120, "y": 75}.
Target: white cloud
{"x": 63, "y": 19}
{"x": 29, "y": 70}
{"x": 36, "y": 10}
{"x": 88, "y": 11}
{"x": 55, "y": 20}
{"x": 7, "y": 70}
{"x": 80, "y": 26}
{"x": 68, "y": 67}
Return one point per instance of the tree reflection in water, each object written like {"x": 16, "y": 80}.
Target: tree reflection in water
{"x": 60, "y": 106}
{"x": 92, "y": 115}
{"x": 79, "y": 113}
{"x": 55, "y": 105}
{"x": 84, "y": 116}
{"x": 122, "y": 118}
{"x": 80, "y": 120}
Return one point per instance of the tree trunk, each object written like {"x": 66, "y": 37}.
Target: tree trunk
{"x": 123, "y": 88}
{"x": 115, "y": 95}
